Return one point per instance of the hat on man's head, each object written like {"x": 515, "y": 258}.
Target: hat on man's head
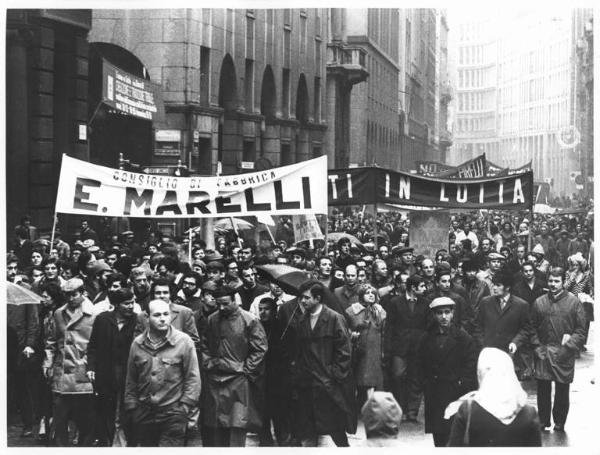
{"x": 212, "y": 255}
{"x": 224, "y": 291}
{"x": 99, "y": 267}
{"x": 381, "y": 415}
{"x": 400, "y": 250}
{"x": 538, "y": 249}
{"x": 440, "y": 302}
{"x": 494, "y": 255}
{"x": 296, "y": 250}
{"x": 72, "y": 285}
{"x": 87, "y": 243}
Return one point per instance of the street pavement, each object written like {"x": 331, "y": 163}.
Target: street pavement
{"x": 580, "y": 428}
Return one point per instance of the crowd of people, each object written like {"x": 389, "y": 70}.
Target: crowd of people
{"x": 133, "y": 344}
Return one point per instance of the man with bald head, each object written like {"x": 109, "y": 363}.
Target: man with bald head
{"x": 348, "y": 293}
{"x": 163, "y": 380}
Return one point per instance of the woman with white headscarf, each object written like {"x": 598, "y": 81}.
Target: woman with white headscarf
{"x": 496, "y": 415}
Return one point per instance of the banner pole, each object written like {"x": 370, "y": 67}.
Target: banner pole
{"x": 53, "y": 231}
{"x": 190, "y": 245}
{"x": 270, "y": 234}
{"x": 236, "y": 232}
{"x": 327, "y": 232}
{"x": 375, "y": 230}
{"x": 529, "y": 238}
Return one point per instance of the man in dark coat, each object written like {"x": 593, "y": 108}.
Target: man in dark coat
{"x": 322, "y": 371}
{"x": 23, "y": 370}
{"x": 558, "y": 333}
{"x": 249, "y": 289}
{"x": 447, "y": 360}
{"x": 407, "y": 319}
{"x": 108, "y": 351}
{"x": 233, "y": 352}
{"x": 278, "y": 377}
{"x": 528, "y": 287}
{"x": 503, "y": 317}
{"x": 463, "y": 314}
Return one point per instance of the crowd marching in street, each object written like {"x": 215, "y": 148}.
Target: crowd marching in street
{"x": 133, "y": 344}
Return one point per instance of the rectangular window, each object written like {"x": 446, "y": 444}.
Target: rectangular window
{"x": 303, "y": 34}
{"x": 317, "y": 55}
{"x": 317, "y": 100}
{"x": 285, "y": 93}
{"x": 287, "y": 18}
{"x": 204, "y": 75}
{"x": 249, "y": 86}
{"x": 249, "y": 153}
{"x": 250, "y": 37}
{"x": 286, "y": 154}
{"x": 287, "y": 47}
{"x": 202, "y": 156}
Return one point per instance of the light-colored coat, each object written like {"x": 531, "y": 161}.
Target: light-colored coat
{"x": 66, "y": 349}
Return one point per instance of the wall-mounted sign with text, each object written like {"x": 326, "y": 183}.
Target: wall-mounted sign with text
{"x": 130, "y": 94}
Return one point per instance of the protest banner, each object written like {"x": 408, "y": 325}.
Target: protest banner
{"x": 372, "y": 185}
{"x": 429, "y": 232}
{"x": 471, "y": 169}
{"x": 88, "y": 189}
{"x": 306, "y": 227}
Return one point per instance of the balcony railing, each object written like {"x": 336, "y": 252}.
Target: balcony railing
{"x": 350, "y": 60}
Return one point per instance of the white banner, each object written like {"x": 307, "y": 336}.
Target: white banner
{"x": 306, "y": 227}
{"x": 88, "y": 189}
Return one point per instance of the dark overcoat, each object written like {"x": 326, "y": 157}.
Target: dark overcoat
{"x": 448, "y": 371}
{"x": 108, "y": 351}
{"x": 502, "y": 326}
{"x": 233, "y": 355}
{"x": 323, "y": 367}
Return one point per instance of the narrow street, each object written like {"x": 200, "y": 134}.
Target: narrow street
{"x": 580, "y": 428}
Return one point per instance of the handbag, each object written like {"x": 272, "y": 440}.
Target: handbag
{"x": 466, "y": 438}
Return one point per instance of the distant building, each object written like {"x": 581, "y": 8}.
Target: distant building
{"x": 516, "y": 92}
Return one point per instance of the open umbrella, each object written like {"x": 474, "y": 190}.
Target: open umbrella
{"x": 543, "y": 208}
{"x": 287, "y": 277}
{"x": 225, "y": 225}
{"x": 18, "y": 295}
{"x": 335, "y": 236}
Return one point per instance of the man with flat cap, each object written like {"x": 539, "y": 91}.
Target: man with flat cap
{"x": 448, "y": 360}
{"x": 496, "y": 263}
{"x": 404, "y": 259}
{"x": 234, "y": 346}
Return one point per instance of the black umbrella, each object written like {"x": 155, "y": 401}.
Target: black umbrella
{"x": 287, "y": 277}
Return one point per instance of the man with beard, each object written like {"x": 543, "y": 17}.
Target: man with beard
{"x": 141, "y": 286}
{"x": 324, "y": 267}
{"x": 407, "y": 319}
{"x": 108, "y": 350}
{"x": 233, "y": 352}
{"x": 348, "y": 293}
{"x": 190, "y": 293}
{"x": 277, "y": 378}
{"x": 250, "y": 289}
{"x": 558, "y": 333}
{"x": 481, "y": 255}
{"x": 163, "y": 381}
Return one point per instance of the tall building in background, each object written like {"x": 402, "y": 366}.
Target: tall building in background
{"x": 516, "y": 94}
{"x": 420, "y": 91}
{"x": 238, "y": 84}
{"x": 47, "y": 57}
